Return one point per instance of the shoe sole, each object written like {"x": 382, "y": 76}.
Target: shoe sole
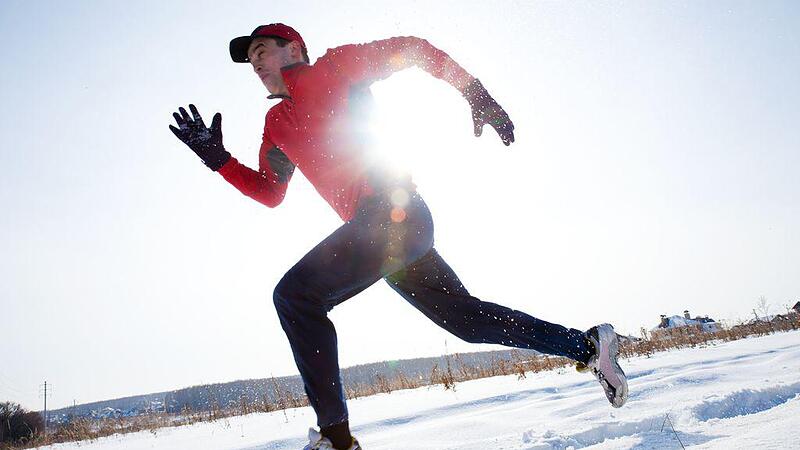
{"x": 607, "y": 363}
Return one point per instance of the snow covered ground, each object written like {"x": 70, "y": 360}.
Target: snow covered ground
{"x": 737, "y": 395}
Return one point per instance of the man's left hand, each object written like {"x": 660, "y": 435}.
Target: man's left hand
{"x": 485, "y": 110}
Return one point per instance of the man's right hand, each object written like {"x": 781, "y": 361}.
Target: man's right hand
{"x": 205, "y": 142}
{"x": 486, "y": 111}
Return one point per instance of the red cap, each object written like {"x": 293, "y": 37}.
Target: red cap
{"x": 240, "y": 44}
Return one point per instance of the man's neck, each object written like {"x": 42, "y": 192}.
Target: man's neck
{"x": 281, "y": 92}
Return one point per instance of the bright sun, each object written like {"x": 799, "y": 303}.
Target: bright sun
{"x": 412, "y": 121}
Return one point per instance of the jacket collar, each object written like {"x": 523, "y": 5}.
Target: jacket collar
{"x": 290, "y": 74}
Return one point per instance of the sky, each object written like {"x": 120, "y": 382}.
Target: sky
{"x": 654, "y": 170}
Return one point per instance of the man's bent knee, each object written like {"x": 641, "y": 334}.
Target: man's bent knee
{"x": 293, "y": 295}
{"x": 285, "y": 294}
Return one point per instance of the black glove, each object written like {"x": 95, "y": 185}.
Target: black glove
{"x": 486, "y": 110}
{"x": 206, "y": 142}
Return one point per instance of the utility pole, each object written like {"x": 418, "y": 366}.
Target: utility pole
{"x": 45, "y": 405}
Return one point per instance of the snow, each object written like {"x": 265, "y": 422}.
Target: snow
{"x": 742, "y": 394}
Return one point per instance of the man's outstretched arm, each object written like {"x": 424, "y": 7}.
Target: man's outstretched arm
{"x": 267, "y": 185}
{"x": 365, "y": 63}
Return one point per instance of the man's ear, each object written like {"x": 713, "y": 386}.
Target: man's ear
{"x": 296, "y": 50}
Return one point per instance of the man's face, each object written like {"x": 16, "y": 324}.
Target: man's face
{"x": 267, "y": 59}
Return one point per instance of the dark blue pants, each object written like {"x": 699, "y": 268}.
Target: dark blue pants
{"x": 393, "y": 239}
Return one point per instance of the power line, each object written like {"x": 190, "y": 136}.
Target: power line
{"x": 7, "y": 382}
{"x": 12, "y": 389}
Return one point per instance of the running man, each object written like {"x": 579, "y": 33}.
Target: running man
{"x": 388, "y": 230}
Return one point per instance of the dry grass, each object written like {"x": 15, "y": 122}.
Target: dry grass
{"x": 452, "y": 372}
{"x": 689, "y": 337}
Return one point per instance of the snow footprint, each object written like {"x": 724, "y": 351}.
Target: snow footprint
{"x": 744, "y": 402}
{"x": 595, "y": 435}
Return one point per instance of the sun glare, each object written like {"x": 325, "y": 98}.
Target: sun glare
{"x": 407, "y": 124}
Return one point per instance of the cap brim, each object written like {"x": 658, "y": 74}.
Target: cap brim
{"x": 239, "y": 47}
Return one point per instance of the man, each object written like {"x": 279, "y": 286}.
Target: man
{"x": 387, "y": 231}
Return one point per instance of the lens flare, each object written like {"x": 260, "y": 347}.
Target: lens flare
{"x": 398, "y": 214}
{"x": 399, "y": 198}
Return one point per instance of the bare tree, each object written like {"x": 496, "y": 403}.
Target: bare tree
{"x": 763, "y": 307}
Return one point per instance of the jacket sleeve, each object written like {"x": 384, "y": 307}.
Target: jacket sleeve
{"x": 268, "y": 184}
{"x": 379, "y": 59}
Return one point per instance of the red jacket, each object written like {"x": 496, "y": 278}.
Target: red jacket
{"x": 317, "y": 127}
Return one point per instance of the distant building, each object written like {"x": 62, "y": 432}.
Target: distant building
{"x": 790, "y": 316}
{"x": 705, "y": 324}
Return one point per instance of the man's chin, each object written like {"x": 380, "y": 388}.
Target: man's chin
{"x": 266, "y": 86}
